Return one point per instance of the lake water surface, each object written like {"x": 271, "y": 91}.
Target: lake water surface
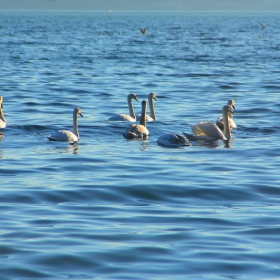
{"x": 109, "y": 208}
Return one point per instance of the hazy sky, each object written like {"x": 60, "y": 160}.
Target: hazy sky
{"x": 160, "y": 5}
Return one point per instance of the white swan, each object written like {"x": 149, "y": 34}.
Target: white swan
{"x": 65, "y": 135}
{"x": 2, "y": 117}
{"x": 123, "y": 117}
{"x": 211, "y": 132}
{"x": 232, "y": 124}
{"x": 152, "y": 96}
{"x": 138, "y": 130}
{"x": 173, "y": 140}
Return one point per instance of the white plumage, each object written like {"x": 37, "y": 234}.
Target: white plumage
{"x": 65, "y": 135}
{"x": 211, "y": 132}
{"x": 123, "y": 117}
{"x": 232, "y": 124}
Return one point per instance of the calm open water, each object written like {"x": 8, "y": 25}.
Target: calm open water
{"x": 109, "y": 208}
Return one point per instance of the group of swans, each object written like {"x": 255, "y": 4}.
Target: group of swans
{"x": 132, "y": 117}
{"x": 204, "y": 130}
{"x": 207, "y": 131}
{"x": 134, "y": 131}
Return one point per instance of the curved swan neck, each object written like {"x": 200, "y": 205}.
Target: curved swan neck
{"x": 1, "y": 110}
{"x": 226, "y": 123}
{"x": 152, "y": 109}
{"x": 75, "y": 123}
{"x": 143, "y": 113}
{"x": 131, "y": 110}
{"x": 2, "y": 117}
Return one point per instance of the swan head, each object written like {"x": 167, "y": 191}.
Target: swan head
{"x": 144, "y": 103}
{"x": 132, "y": 96}
{"x": 231, "y": 103}
{"x": 78, "y": 111}
{"x": 227, "y": 109}
{"x": 152, "y": 95}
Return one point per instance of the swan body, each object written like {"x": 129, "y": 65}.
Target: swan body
{"x": 209, "y": 131}
{"x": 152, "y": 96}
{"x": 65, "y": 135}
{"x": 2, "y": 117}
{"x": 173, "y": 140}
{"x": 138, "y": 130}
{"x": 123, "y": 117}
{"x": 232, "y": 124}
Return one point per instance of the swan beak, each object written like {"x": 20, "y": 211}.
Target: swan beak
{"x": 81, "y": 115}
{"x": 1, "y": 105}
{"x": 136, "y": 99}
{"x": 155, "y": 98}
{"x": 233, "y": 106}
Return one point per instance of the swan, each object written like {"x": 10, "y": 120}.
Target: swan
{"x": 2, "y": 118}
{"x": 138, "y": 130}
{"x": 152, "y": 96}
{"x": 173, "y": 140}
{"x": 211, "y": 132}
{"x": 123, "y": 117}
{"x": 232, "y": 124}
{"x": 65, "y": 135}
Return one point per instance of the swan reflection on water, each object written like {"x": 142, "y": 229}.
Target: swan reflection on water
{"x": 70, "y": 149}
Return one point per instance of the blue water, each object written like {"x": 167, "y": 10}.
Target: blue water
{"x": 109, "y": 208}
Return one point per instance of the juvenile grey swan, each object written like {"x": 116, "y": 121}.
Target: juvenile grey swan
{"x": 138, "y": 130}
{"x": 65, "y": 135}
{"x": 123, "y": 117}
{"x": 174, "y": 140}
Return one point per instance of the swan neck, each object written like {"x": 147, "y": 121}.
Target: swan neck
{"x": 131, "y": 110}
{"x": 152, "y": 109}
{"x": 75, "y": 123}
{"x": 143, "y": 115}
{"x": 226, "y": 125}
{"x": 2, "y": 115}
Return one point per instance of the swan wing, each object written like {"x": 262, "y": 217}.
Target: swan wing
{"x": 63, "y": 135}
{"x": 2, "y": 124}
{"x": 122, "y": 117}
{"x": 148, "y": 118}
{"x": 208, "y": 129}
{"x": 173, "y": 140}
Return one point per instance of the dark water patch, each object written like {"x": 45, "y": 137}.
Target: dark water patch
{"x": 24, "y": 273}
